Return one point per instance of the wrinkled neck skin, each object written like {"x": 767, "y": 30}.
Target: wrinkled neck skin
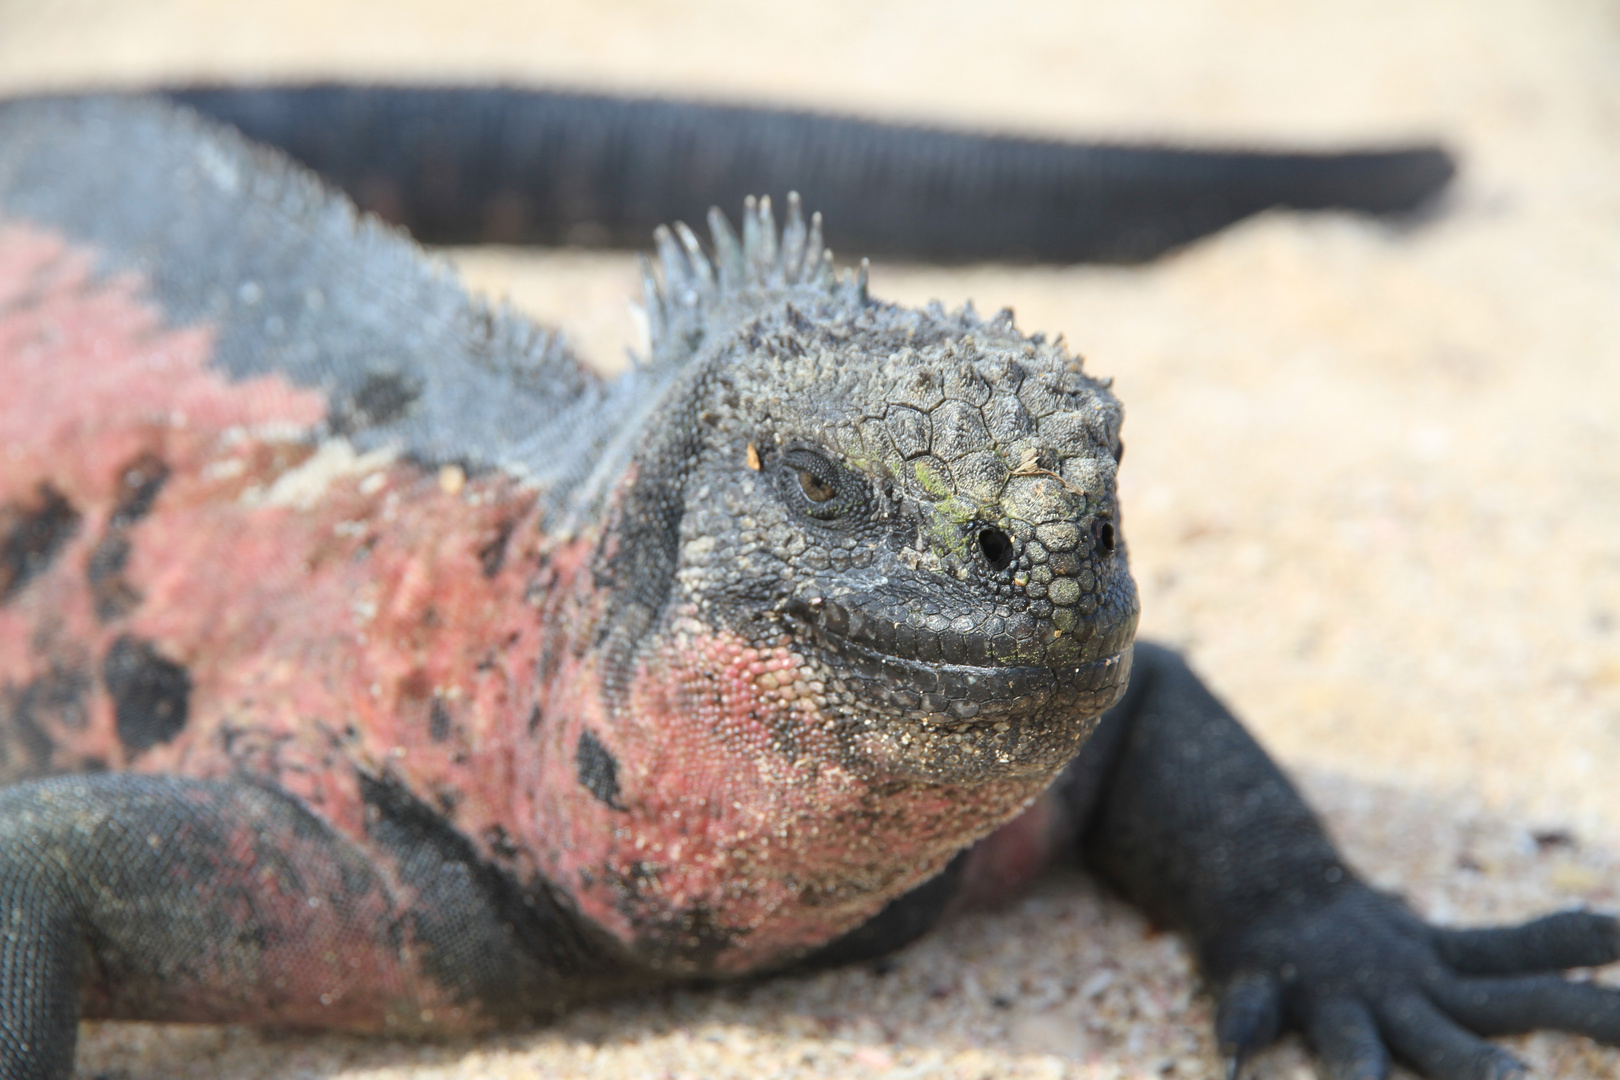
{"x": 724, "y": 779}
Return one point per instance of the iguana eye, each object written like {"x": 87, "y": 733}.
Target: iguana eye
{"x": 817, "y": 488}
{"x": 814, "y": 487}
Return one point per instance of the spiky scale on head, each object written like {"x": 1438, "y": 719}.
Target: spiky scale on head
{"x": 698, "y": 293}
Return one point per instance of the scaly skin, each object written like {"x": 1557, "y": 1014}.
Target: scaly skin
{"x": 432, "y": 684}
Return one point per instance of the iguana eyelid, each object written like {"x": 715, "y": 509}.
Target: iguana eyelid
{"x": 804, "y": 473}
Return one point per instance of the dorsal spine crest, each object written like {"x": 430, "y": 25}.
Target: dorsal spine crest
{"x": 692, "y": 293}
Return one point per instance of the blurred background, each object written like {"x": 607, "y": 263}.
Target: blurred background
{"x": 1373, "y": 483}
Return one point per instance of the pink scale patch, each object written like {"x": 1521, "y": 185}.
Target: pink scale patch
{"x": 93, "y": 376}
{"x": 742, "y": 836}
{"x": 326, "y": 613}
{"x": 95, "y": 382}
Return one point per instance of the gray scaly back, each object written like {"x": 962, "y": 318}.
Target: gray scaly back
{"x": 294, "y": 282}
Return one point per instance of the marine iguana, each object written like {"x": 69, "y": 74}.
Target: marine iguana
{"x": 367, "y": 662}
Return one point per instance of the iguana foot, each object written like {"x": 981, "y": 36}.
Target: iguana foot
{"x": 1366, "y": 980}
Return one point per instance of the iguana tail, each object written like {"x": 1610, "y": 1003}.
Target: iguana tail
{"x": 461, "y": 165}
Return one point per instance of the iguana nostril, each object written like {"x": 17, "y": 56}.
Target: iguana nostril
{"x": 997, "y": 547}
{"x": 1103, "y": 532}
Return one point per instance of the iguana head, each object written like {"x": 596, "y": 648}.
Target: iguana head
{"x": 866, "y": 594}
{"x": 921, "y": 502}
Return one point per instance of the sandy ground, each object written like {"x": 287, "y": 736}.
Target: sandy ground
{"x": 1373, "y": 483}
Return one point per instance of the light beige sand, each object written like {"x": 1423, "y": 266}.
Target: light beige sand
{"x": 1373, "y": 482}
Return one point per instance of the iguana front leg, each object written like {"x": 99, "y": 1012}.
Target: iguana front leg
{"x": 1187, "y": 816}
{"x": 156, "y": 898}
{"x": 164, "y": 899}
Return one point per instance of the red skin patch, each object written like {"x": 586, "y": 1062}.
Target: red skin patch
{"x": 737, "y": 815}
{"x": 338, "y": 616}
{"x": 318, "y": 637}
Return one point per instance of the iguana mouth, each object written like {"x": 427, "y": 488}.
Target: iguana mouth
{"x": 949, "y": 694}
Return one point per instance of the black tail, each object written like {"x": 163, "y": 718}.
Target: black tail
{"x": 548, "y": 167}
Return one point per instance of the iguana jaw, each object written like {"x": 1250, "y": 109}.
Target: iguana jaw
{"x": 941, "y": 722}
